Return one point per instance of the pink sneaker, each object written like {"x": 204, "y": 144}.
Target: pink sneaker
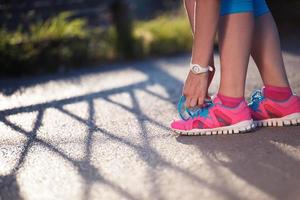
{"x": 216, "y": 119}
{"x": 267, "y": 112}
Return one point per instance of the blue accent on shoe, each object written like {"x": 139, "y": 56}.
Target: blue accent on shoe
{"x": 256, "y": 97}
{"x": 204, "y": 112}
{"x": 186, "y": 113}
{"x": 182, "y": 110}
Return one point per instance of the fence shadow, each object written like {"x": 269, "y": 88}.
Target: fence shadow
{"x": 149, "y": 155}
{"x": 89, "y": 173}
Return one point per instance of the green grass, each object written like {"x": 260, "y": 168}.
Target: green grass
{"x": 58, "y": 28}
{"x": 68, "y": 43}
{"x": 164, "y": 35}
{"x": 65, "y": 42}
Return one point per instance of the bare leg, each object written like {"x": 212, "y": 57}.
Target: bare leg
{"x": 266, "y": 52}
{"x": 204, "y": 23}
{"x": 235, "y": 35}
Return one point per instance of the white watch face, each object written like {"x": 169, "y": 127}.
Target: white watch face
{"x": 196, "y": 69}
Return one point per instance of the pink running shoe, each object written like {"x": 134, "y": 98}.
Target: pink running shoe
{"x": 216, "y": 119}
{"x": 267, "y": 112}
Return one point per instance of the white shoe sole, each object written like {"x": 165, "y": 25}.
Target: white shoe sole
{"x": 241, "y": 127}
{"x": 292, "y": 119}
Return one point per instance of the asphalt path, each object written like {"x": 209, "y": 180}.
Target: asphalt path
{"x": 103, "y": 133}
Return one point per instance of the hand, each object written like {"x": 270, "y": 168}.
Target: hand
{"x": 195, "y": 89}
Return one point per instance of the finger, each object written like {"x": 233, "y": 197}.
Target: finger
{"x": 187, "y": 102}
{"x": 184, "y": 93}
{"x": 200, "y": 101}
{"x": 193, "y": 102}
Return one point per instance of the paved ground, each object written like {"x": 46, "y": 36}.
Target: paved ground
{"x": 103, "y": 134}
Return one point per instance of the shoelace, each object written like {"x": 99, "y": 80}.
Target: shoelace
{"x": 204, "y": 111}
{"x": 256, "y": 97}
{"x": 187, "y": 113}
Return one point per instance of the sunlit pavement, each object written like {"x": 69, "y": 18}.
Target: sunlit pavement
{"x": 103, "y": 133}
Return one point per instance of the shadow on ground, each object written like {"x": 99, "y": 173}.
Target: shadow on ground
{"x": 9, "y": 187}
{"x": 255, "y": 158}
{"x": 290, "y": 44}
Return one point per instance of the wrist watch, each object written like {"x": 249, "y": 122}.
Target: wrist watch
{"x": 198, "y": 69}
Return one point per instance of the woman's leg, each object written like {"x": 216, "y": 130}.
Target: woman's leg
{"x": 276, "y": 105}
{"x": 235, "y": 46}
{"x": 235, "y": 40}
{"x": 266, "y": 52}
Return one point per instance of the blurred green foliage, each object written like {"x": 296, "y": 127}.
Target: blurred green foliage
{"x": 57, "y": 28}
{"x": 164, "y": 35}
{"x": 61, "y": 43}
{"x": 58, "y": 42}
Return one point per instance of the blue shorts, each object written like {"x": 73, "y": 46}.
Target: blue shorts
{"x": 257, "y": 7}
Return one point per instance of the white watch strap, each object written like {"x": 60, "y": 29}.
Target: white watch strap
{"x": 198, "y": 69}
